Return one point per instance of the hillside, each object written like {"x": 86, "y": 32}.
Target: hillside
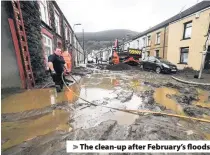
{"x": 102, "y": 39}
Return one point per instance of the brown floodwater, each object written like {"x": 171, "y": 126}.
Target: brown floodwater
{"x": 37, "y": 99}
{"x": 107, "y": 83}
{"x": 20, "y": 131}
{"x": 160, "y": 97}
{"x": 203, "y": 99}
{"x": 92, "y": 88}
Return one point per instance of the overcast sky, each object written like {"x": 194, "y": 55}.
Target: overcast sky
{"x": 136, "y": 15}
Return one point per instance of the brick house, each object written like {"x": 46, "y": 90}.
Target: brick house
{"x": 45, "y": 28}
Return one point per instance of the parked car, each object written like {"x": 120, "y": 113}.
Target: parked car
{"x": 158, "y": 65}
{"x": 90, "y": 59}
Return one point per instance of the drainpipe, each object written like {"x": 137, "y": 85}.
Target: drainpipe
{"x": 164, "y": 42}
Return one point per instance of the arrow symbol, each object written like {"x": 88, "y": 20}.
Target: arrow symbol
{"x": 75, "y": 146}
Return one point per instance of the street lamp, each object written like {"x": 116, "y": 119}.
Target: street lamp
{"x": 83, "y": 39}
{"x": 76, "y": 25}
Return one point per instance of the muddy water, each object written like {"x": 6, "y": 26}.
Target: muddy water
{"x": 161, "y": 96}
{"x": 92, "y": 116}
{"x": 37, "y": 99}
{"x": 17, "y": 132}
{"x": 101, "y": 90}
{"x": 203, "y": 99}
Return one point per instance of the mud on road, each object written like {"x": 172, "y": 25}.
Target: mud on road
{"x": 40, "y": 121}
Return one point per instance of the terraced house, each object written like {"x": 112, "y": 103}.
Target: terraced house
{"x": 187, "y": 37}
{"x": 31, "y": 30}
{"x": 180, "y": 39}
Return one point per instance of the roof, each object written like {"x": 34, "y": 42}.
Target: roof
{"x": 200, "y": 6}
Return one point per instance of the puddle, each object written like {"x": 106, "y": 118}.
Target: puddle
{"x": 102, "y": 82}
{"x": 138, "y": 86}
{"x": 20, "y": 131}
{"x": 160, "y": 97}
{"x": 207, "y": 135}
{"x": 28, "y": 100}
{"x": 203, "y": 99}
{"x": 37, "y": 99}
{"x": 92, "y": 116}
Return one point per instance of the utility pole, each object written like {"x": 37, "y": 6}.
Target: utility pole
{"x": 83, "y": 44}
{"x": 123, "y": 45}
{"x": 76, "y": 47}
{"x": 204, "y": 53}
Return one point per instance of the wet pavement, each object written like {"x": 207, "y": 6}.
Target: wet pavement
{"x": 39, "y": 112}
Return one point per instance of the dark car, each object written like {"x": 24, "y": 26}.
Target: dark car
{"x": 158, "y": 65}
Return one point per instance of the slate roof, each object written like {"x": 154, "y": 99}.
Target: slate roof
{"x": 200, "y": 6}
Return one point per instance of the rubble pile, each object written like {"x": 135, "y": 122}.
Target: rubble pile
{"x": 81, "y": 71}
{"x": 118, "y": 67}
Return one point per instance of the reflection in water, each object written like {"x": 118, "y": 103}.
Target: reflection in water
{"x": 28, "y": 100}
{"x": 103, "y": 83}
{"x": 89, "y": 117}
{"x": 160, "y": 97}
{"x": 203, "y": 99}
{"x": 37, "y": 99}
{"x": 137, "y": 86}
{"x": 17, "y": 132}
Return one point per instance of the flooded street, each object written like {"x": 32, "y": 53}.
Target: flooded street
{"x": 42, "y": 113}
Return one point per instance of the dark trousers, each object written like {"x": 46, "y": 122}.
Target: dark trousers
{"x": 58, "y": 81}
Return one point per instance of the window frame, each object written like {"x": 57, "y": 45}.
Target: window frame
{"x": 46, "y": 55}
{"x": 181, "y": 55}
{"x": 158, "y": 53}
{"x": 45, "y": 6}
{"x": 66, "y": 29}
{"x": 157, "y": 35}
{"x": 148, "y": 40}
{"x": 57, "y": 15}
{"x": 185, "y": 27}
{"x": 148, "y": 53}
{"x": 70, "y": 36}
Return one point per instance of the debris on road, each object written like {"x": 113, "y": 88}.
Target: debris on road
{"x": 119, "y": 67}
{"x": 130, "y": 90}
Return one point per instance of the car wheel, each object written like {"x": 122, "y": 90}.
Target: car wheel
{"x": 158, "y": 70}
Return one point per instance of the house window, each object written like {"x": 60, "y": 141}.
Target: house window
{"x": 184, "y": 55}
{"x": 147, "y": 53}
{"x": 66, "y": 32}
{"x": 59, "y": 44}
{"x": 144, "y": 42}
{"x": 187, "y": 30}
{"x": 158, "y": 38}
{"x": 137, "y": 44}
{"x": 44, "y": 11}
{"x": 148, "y": 40}
{"x": 47, "y": 42}
{"x": 70, "y": 40}
{"x": 157, "y": 53}
{"x": 57, "y": 22}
